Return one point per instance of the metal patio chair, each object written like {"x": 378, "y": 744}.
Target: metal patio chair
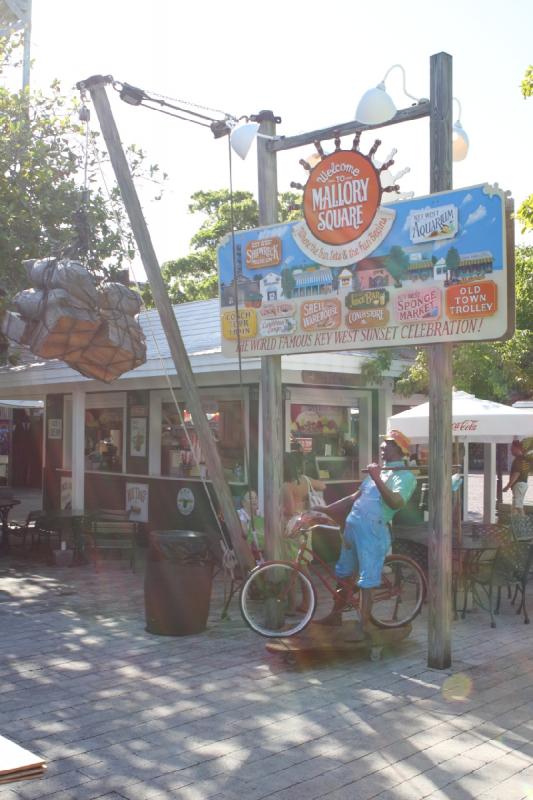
{"x": 507, "y": 566}
{"x": 111, "y": 529}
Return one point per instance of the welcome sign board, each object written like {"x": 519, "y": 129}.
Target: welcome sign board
{"x": 427, "y": 270}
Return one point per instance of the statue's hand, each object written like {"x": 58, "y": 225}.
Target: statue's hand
{"x": 374, "y": 471}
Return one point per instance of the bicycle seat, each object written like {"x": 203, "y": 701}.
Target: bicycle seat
{"x": 307, "y": 520}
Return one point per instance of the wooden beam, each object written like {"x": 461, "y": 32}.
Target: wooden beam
{"x": 418, "y": 111}
{"x": 97, "y": 88}
{"x": 440, "y": 396}
{"x": 271, "y": 392}
{"x": 78, "y": 449}
{"x": 489, "y": 482}
{"x": 466, "y": 487}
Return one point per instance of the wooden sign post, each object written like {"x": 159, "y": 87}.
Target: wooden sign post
{"x": 439, "y": 110}
{"x": 96, "y": 85}
{"x": 440, "y": 395}
{"x": 271, "y": 389}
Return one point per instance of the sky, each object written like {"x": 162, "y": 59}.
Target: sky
{"x": 308, "y": 62}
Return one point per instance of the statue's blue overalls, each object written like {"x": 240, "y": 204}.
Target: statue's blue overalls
{"x": 366, "y": 533}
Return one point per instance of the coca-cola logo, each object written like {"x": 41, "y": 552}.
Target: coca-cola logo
{"x": 466, "y": 425}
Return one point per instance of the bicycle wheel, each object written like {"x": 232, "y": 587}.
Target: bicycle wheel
{"x": 399, "y": 598}
{"x": 277, "y": 599}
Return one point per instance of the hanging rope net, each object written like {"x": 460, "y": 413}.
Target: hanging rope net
{"x": 95, "y": 330}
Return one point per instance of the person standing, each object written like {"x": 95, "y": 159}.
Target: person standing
{"x": 296, "y": 485}
{"x": 518, "y": 478}
{"x": 252, "y": 525}
{"x": 295, "y": 498}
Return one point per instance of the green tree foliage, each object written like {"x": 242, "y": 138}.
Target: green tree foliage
{"x": 396, "y": 263}
{"x": 453, "y": 259}
{"x": 287, "y": 282}
{"x": 525, "y": 211}
{"x": 194, "y": 276}
{"x": 43, "y": 210}
{"x": 492, "y": 370}
{"x": 527, "y": 82}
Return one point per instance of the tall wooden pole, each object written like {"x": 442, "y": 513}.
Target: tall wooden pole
{"x": 271, "y": 391}
{"x": 96, "y": 86}
{"x": 26, "y": 60}
{"x": 440, "y": 395}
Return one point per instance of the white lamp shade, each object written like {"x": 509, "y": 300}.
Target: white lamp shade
{"x": 459, "y": 142}
{"x": 375, "y": 107}
{"x": 242, "y": 137}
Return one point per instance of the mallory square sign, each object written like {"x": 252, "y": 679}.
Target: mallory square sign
{"x": 356, "y": 274}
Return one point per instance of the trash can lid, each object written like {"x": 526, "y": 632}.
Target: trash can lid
{"x": 185, "y": 546}
{"x": 178, "y": 535}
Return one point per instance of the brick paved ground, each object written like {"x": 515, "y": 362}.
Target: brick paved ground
{"x": 120, "y": 714}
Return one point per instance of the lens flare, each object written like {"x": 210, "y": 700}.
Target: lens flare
{"x": 457, "y": 688}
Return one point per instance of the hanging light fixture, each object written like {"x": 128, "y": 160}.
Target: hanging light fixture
{"x": 460, "y": 141}
{"x": 243, "y": 134}
{"x": 376, "y": 106}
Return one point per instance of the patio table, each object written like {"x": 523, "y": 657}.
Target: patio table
{"x": 477, "y": 543}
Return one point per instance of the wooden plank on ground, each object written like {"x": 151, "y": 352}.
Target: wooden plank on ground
{"x": 17, "y": 763}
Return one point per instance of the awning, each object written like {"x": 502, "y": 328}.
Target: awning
{"x": 21, "y": 404}
{"x": 318, "y": 277}
{"x": 473, "y": 420}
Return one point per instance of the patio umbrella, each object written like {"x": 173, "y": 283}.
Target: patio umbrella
{"x": 473, "y": 420}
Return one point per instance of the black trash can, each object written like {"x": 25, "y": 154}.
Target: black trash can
{"x": 177, "y": 582}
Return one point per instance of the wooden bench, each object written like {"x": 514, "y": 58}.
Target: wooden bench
{"x": 111, "y": 529}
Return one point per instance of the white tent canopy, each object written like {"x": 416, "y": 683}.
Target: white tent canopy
{"x": 473, "y": 420}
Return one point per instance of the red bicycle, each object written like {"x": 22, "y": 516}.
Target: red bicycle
{"x": 280, "y": 598}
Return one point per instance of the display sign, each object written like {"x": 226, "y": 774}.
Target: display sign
{"x": 138, "y": 437}
{"x": 65, "y": 492}
{"x": 433, "y": 223}
{"x": 137, "y": 501}
{"x": 420, "y": 271}
{"x": 55, "y": 428}
{"x": 341, "y": 197}
{"x": 185, "y": 501}
{"x": 263, "y": 253}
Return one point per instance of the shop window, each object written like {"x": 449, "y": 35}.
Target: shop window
{"x": 329, "y": 437}
{"x": 181, "y": 454}
{"x": 104, "y": 437}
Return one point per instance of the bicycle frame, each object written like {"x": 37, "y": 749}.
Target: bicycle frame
{"x": 276, "y": 592}
{"x": 384, "y": 592}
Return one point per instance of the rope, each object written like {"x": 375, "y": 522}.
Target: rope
{"x": 143, "y": 98}
{"x": 229, "y": 560}
{"x": 188, "y": 103}
{"x": 237, "y": 325}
